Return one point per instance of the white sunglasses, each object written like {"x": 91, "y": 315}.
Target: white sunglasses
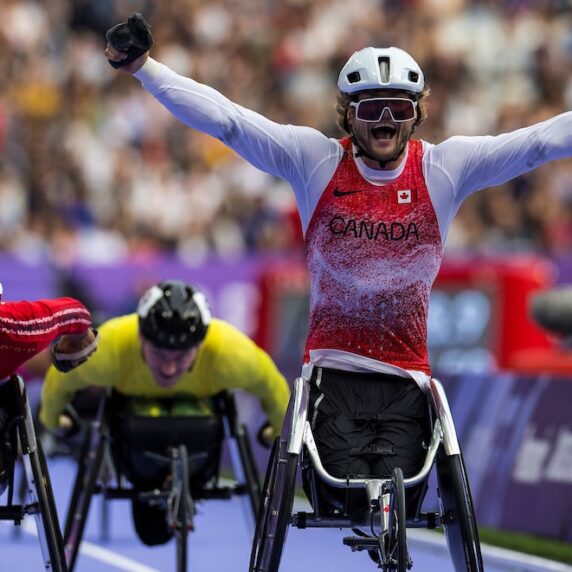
{"x": 372, "y": 110}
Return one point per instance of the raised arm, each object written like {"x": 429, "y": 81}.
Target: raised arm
{"x": 302, "y": 156}
{"x": 474, "y": 163}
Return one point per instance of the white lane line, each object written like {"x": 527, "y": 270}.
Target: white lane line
{"x": 112, "y": 558}
{"x": 97, "y": 552}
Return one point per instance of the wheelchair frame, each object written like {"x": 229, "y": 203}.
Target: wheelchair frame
{"x": 98, "y": 466}
{"x": 385, "y": 533}
{"x": 20, "y": 437}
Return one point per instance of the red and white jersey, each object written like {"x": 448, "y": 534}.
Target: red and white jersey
{"x": 373, "y": 253}
{"x": 26, "y": 328}
{"x": 374, "y": 241}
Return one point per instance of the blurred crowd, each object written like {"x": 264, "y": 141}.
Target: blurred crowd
{"x": 93, "y": 169}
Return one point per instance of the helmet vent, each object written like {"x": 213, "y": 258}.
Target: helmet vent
{"x": 354, "y": 77}
{"x": 413, "y": 76}
{"x": 383, "y": 69}
{"x": 173, "y": 315}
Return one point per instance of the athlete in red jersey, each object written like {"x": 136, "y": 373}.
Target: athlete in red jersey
{"x": 375, "y": 208}
{"x": 27, "y": 328}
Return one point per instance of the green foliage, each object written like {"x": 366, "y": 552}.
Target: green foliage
{"x": 527, "y": 543}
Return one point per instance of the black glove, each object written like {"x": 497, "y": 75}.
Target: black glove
{"x": 132, "y": 37}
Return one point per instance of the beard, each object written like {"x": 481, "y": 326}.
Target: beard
{"x": 366, "y": 144}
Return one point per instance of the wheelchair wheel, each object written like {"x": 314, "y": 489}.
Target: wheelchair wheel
{"x": 276, "y": 510}
{"x": 78, "y": 484}
{"x": 396, "y": 540}
{"x": 458, "y": 514}
{"x": 183, "y": 506}
{"x": 249, "y": 468}
{"x": 244, "y": 464}
{"x": 89, "y": 466}
{"x": 46, "y": 517}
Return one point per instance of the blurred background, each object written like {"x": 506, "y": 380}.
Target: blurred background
{"x": 93, "y": 170}
{"x": 102, "y": 192}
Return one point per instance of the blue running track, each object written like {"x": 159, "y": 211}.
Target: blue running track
{"x": 221, "y": 543}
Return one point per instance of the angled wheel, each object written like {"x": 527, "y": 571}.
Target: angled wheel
{"x": 40, "y": 490}
{"x": 276, "y": 510}
{"x": 182, "y": 505}
{"x": 79, "y": 480}
{"x": 37, "y": 477}
{"x": 249, "y": 468}
{"x": 458, "y": 514}
{"x": 396, "y": 548}
{"x": 242, "y": 458}
{"x": 89, "y": 467}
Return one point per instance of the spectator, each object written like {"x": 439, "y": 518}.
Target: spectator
{"x": 81, "y": 146}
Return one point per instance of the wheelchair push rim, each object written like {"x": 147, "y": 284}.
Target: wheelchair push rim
{"x": 395, "y": 541}
{"x": 46, "y": 517}
{"x": 181, "y": 507}
{"x": 89, "y": 468}
{"x": 276, "y": 510}
{"x": 458, "y": 513}
{"x": 21, "y": 440}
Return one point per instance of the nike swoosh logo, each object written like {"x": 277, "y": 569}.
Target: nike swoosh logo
{"x": 338, "y": 193}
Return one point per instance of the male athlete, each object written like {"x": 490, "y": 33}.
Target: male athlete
{"x": 375, "y": 208}
{"x": 27, "y": 328}
{"x": 168, "y": 359}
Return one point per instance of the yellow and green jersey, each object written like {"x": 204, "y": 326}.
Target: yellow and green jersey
{"x": 227, "y": 359}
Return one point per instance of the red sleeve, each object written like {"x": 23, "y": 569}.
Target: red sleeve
{"x": 27, "y": 328}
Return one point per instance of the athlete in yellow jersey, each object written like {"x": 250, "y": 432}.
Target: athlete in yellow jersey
{"x": 171, "y": 347}
{"x": 139, "y": 367}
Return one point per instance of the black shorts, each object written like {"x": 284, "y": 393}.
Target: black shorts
{"x": 366, "y": 424}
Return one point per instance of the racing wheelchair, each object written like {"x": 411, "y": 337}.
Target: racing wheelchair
{"x": 18, "y": 439}
{"x": 382, "y": 530}
{"x": 124, "y": 455}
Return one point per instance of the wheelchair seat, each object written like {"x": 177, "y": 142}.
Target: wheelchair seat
{"x": 385, "y": 515}
{"x": 157, "y": 434}
{"x": 161, "y": 454}
{"x": 141, "y": 444}
{"x": 351, "y": 504}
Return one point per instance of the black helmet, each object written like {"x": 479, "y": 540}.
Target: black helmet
{"x": 173, "y": 315}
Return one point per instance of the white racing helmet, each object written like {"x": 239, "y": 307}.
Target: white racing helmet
{"x": 381, "y": 68}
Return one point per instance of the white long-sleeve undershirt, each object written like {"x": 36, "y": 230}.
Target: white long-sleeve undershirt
{"x": 307, "y": 159}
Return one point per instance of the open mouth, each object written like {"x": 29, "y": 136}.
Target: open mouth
{"x": 385, "y": 132}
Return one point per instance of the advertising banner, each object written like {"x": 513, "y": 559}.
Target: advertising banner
{"x": 515, "y": 430}
{"x": 516, "y": 436}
